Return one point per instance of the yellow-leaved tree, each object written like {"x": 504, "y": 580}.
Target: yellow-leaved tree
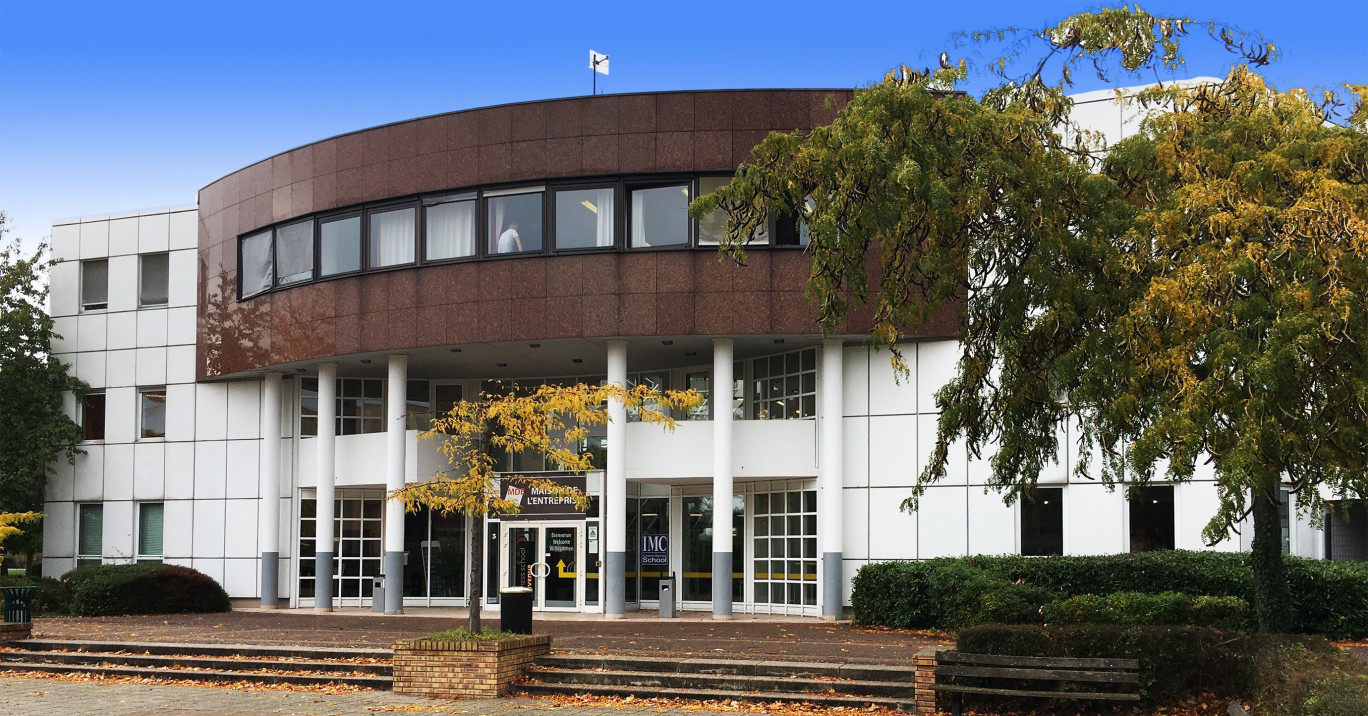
{"x": 9, "y": 525}
{"x": 552, "y": 420}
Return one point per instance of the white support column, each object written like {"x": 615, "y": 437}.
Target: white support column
{"x": 269, "y": 489}
{"x": 721, "y": 397}
{"x": 831, "y": 479}
{"x": 326, "y": 480}
{"x": 615, "y": 489}
{"x": 395, "y": 441}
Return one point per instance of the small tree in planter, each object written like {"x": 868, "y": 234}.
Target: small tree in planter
{"x": 552, "y": 420}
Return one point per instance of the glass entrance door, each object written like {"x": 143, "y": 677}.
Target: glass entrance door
{"x": 548, "y": 559}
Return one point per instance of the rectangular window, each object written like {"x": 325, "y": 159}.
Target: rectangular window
{"x": 308, "y": 407}
{"x": 93, "y": 416}
{"x": 90, "y": 534}
{"x": 1042, "y": 522}
{"x": 152, "y": 409}
{"x": 294, "y": 253}
{"x": 785, "y": 547}
{"x": 339, "y": 246}
{"x": 392, "y": 236}
{"x": 153, "y": 279}
{"x": 584, "y": 219}
{"x": 1151, "y": 519}
{"x": 94, "y": 285}
{"x": 360, "y": 406}
{"x": 784, "y": 386}
{"x": 257, "y": 265}
{"x": 515, "y": 222}
{"x": 150, "y": 532}
{"x": 660, "y": 216}
{"x": 699, "y": 382}
{"x": 1285, "y": 515}
{"x": 1346, "y": 530}
{"x": 419, "y": 405}
{"x": 449, "y": 227}
{"x": 713, "y": 227}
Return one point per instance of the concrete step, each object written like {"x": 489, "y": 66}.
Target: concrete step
{"x": 825, "y": 699}
{"x": 370, "y": 682}
{"x": 190, "y": 660}
{"x": 725, "y": 682}
{"x": 255, "y": 650}
{"x": 838, "y": 670}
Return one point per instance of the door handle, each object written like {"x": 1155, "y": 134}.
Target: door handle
{"x": 545, "y": 569}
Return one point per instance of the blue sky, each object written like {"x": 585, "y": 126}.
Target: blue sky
{"x": 110, "y": 106}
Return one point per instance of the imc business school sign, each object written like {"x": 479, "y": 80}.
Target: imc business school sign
{"x": 535, "y": 504}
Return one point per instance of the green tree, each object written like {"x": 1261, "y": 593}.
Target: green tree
{"x": 1194, "y": 292}
{"x": 34, "y": 430}
{"x": 550, "y": 420}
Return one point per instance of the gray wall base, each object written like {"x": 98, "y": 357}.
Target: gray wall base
{"x": 394, "y": 582}
{"x": 270, "y": 580}
{"x": 615, "y": 602}
{"x": 832, "y": 584}
{"x": 323, "y": 580}
{"x": 722, "y": 584}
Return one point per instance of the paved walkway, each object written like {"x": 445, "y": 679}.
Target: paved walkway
{"x": 43, "y": 697}
{"x": 696, "y": 636}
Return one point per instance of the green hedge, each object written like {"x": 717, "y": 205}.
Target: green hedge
{"x": 1329, "y": 598}
{"x": 1172, "y": 608}
{"x": 105, "y": 589}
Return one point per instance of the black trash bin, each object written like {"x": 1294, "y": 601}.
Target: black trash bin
{"x": 19, "y": 604}
{"x": 515, "y": 610}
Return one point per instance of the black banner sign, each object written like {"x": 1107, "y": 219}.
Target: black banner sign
{"x": 534, "y": 504}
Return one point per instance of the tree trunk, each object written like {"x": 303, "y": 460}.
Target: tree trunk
{"x": 1272, "y": 600}
{"x": 477, "y": 541}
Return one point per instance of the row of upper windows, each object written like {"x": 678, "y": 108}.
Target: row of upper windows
{"x": 151, "y": 413}
{"x": 520, "y": 221}
{"x": 153, "y": 282}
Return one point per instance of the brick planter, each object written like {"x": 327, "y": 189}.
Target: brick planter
{"x": 15, "y": 632}
{"x": 925, "y": 662}
{"x": 464, "y": 668}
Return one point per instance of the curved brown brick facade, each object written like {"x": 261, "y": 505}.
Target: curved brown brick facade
{"x": 678, "y": 292}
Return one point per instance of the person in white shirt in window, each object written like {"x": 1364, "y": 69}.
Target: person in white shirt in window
{"x": 509, "y": 241}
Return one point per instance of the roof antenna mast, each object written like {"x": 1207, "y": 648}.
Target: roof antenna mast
{"x": 598, "y": 64}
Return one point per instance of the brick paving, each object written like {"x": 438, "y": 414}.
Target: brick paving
{"x": 696, "y": 636}
{"x": 22, "y": 696}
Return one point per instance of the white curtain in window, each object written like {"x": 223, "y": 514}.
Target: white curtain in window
{"x": 294, "y": 252}
{"x": 603, "y": 199}
{"x": 450, "y": 230}
{"x": 639, "y": 219}
{"x": 258, "y": 271}
{"x": 497, "y": 208}
{"x": 391, "y": 237}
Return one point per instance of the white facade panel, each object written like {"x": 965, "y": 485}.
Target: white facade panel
{"x": 244, "y": 468}
{"x": 855, "y": 526}
{"x": 178, "y": 522}
{"x": 180, "y": 326}
{"x": 993, "y": 527}
{"x": 855, "y": 380}
{"x": 180, "y": 412}
{"x": 240, "y": 577}
{"x": 653, "y": 453}
{"x": 942, "y": 522}
{"x": 935, "y": 367}
{"x": 152, "y": 327}
{"x": 154, "y": 232}
{"x": 890, "y": 392}
{"x": 956, "y": 456}
{"x": 64, "y": 293}
{"x": 90, "y": 332}
{"x": 213, "y": 568}
{"x": 152, "y": 366}
{"x": 1194, "y": 504}
{"x": 61, "y": 482}
{"x": 183, "y": 230}
{"x": 123, "y": 283}
{"x": 180, "y": 364}
{"x": 121, "y": 415}
{"x": 855, "y": 453}
{"x": 121, "y": 368}
{"x": 211, "y": 411}
{"x": 118, "y": 531}
{"x": 211, "y": 461}
{"x": 241, "y": 538}
{"x": 123, "y": 236}
{"x": 208, "y": 529}
{"x": 180, "y": 471}
{"x": 769, "y": 448}
{"x": 64, "y": 337}
{"x": 892, "y": 456}
{"x": 123, "y": 330}
{"x": 66, "y": 242}
{"x": 892, "y": 532}
{"x": 244, "y": 410}
{"x": 118, "y": 472}
{"x": 89, "y": 486}
{"x": 94, "y": 239}
{"x": 149, "y": 471}
{"x": 59, "y": 535}
{"x": 1094, "y": 520}
{"x": 181, "y": 279}
{"x": 90, "y": 367}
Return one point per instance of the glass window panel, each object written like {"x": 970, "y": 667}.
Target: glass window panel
{"x": 809, "y": 524}
{"x": 150, "y": 529}
{"x": 761, "y": 548}
{"x": 94, "y": 284}
{"x": 294, "y": 253}
{"x": 777, "y": 526}
{"x": 450, "y": 230}
{"x": 793, "y": 592}
{"x": 391, "y": 237}
{"x": 761, "y": 505}
{"x": 809, "y": 382}
{"x": 152, "y": 279}
{"x": 791, "y": 363}
{"x": 339, "y": 246}
{"x": 373, "y": 388}
{"x": 761, "y": 593}
{"x": 809, "y": 500}
{"x": 90, "y": 540}
{"x": 93, "y": 416}
{"x": 809, "y": 407}
{"x": 776, "y": 365}
{"x": 153, "y": 412}
{"x": 810, "y": 546}
{"x": 777, "y": 547}
{"x": 713, "y": 227}
{"x": 584, "y": 219}
{"x": 515, "y": 223}
{"x": 810, "y": 359}
{"x": 795, "y": 503}
{"x": 660, "y": 216}
{"x": 809, "y": 595}
{"x": 761, "y": 526}
{"x": 257, "y": 270}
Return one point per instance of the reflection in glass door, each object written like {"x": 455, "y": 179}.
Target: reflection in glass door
{"x": 548, "y": 559}
{"x": 522, "y": 559}
{"x": 562, "y": 558}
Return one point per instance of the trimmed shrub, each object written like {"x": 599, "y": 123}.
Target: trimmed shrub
{"x": 106, "y": 589}
{"x": 1138, "y": 608}
{"x": 948, "y": 595}
{"x": 53, "y": 597}
{"x": 1329, "y": 598}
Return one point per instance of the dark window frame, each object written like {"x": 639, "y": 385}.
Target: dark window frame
{"x": 1038, "y": 505}
{"x": 86, "y": 415}
{"x": 482, "y": 249}
{"x": 142, "y": 277}
{"x": 389, "y": 205}
{"x": 319, "y": 221}
{"x": 92, "y": 306}
{"x": 619, "y": 217}
{"x": 314, "y": 245}
{"x": 689, "y": 181}
{"x": 474, "y": 197}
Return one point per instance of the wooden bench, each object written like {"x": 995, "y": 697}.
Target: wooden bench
{"x": 1097, "y": 679}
